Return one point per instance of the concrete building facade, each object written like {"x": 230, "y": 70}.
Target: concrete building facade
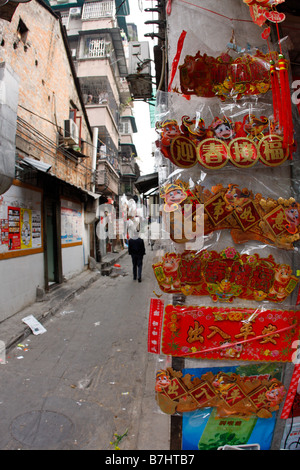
{"x": 98, "y": 38}
{"x": 47, "y": 213}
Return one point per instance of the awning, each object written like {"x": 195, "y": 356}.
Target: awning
{"x": 146, "y": 182}
{"x": 8, "y": 9}
{"x": 122, "y": 7}
{"x": 132, "y": 146}
{"x": 45, "y": 168}
{"x": 37, "y": 164}
{"x": 152, "y": 191}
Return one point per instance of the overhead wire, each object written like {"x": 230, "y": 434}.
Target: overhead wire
{"x": 58, "y": 127}
{"x": 34, "y": 137}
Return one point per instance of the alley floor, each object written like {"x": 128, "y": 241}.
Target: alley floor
{"x": 86, "y": 378}
{"x": 89, "y": 377}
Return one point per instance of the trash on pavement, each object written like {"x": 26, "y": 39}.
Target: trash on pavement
{"x": 34, "y": 325}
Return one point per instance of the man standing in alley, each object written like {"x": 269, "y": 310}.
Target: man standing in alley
{"x": 136, "y": 248}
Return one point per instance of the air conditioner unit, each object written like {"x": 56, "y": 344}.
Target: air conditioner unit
{"x": 75, "y": 11}
{"x": 71, "y": 134}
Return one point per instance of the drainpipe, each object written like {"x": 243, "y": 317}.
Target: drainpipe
{"x": 94, "y": 160}
{"x": 9, "y": 97}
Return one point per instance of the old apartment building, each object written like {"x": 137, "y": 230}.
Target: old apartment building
{"x": 47, "y": 204}
{"x": 98, "y": 37}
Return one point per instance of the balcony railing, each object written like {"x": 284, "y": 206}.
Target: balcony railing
{"x": 97, "y": 10}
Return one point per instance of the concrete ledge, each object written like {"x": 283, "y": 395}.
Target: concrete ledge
{"x": 106, "y": 266}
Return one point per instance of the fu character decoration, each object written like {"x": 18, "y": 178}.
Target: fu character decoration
{"x": 242, "y": 143}
{"x": 261, "y": 10}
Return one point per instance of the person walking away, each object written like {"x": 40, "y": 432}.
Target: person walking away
{"x": 136, "y": 248}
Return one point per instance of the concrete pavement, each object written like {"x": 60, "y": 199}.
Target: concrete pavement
{"x": 89, "y": 376}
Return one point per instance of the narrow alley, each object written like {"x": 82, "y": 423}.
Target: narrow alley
{"x": 85, "y": 379}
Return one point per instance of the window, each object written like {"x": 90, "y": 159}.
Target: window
{"x": 95, "y": 47}
{"x": 125, "y": 126}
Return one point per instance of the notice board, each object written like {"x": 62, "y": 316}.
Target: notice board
{"x": 20, "y": 221}
{"x": 71, "y": 223}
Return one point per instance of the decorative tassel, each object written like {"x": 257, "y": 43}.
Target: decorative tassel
{"x": 286, "y": 102}
{"x": 277, "y": 103}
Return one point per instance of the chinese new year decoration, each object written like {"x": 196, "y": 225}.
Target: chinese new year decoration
{"x": 230, "y": 333}
{"x": 225, "y": 275}
{"x": 261, "y": 10}
{"x": 226, "y": 77}
{"x": 243, "y": 143}
{"x": 247, "y": 216}
{"x": 231, "y": 394}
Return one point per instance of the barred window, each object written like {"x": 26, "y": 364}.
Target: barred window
{"x": 95, "y": 10}
{"x": 96, "y": 48}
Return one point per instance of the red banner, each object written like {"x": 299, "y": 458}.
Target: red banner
{"x": 230, "y": 333}
{"x": 155, "y": 325}
{"x": 292, "y": 392}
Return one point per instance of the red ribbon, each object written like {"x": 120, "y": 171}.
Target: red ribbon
{"x": 169, "y": 7}
{"x": 176, "y": 58}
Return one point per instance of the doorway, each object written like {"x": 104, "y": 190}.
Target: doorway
{"x": 52, "y": 237}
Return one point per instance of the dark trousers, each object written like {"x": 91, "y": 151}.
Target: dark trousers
{"x": 137, "y": 265}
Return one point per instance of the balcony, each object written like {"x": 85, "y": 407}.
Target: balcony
{"x": 98, "y": 10}
{"x": 102, "y": 44}
{"x": 107, "y": 179}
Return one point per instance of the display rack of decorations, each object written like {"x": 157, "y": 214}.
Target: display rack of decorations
{"x": 224, "y": 317}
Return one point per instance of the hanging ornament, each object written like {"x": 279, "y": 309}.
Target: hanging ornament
{"x": 248, "y": 216}
{"x": 282, "y": 103}
{"x": 225, "y": 76}
{"x": 225, "y": 276}
{"x": 258, "y": 9}
{"x": 231, "y": 394}
{"x": 264, "y": 3}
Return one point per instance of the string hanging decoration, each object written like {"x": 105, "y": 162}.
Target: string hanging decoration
{"x": 259, "y": 8}
{"x": 282, "y": 103}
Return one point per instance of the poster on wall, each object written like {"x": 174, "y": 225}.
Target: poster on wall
{"x": 71, "y": 223}
{"x": 14, "y": 228}
{"x": 20, "y": 221}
